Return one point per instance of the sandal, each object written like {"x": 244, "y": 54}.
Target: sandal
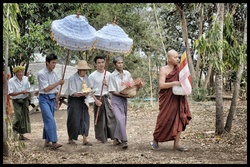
{"x": 153, "y": 145}
{"x": 182, "y": 149}
{"x": 124, "y": 145}
{"x": 55, "y": 146}
{"x": 116, "y": 142}
{"x": 71, "y": 142}
{"x": 47, "y": 144}
{"x": 21, "y": 137}
{"x": 87, "y": 144}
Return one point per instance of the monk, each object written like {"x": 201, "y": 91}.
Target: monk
{"x": 174, "y": 113}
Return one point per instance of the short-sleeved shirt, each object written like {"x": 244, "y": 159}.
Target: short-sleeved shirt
{"x": 46, "y": 78}
{"x": 96, "y": 79}
{"x": 75, "y": 83}
{"x": 15, "y": 85}
{"x": 115, "y": 80}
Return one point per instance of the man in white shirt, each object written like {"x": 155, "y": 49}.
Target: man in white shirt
{"x": 78, "y": 119}
{"x": 48, "y": 83}
{"x": 118, "y": 100}
{"x": 106, "y": 121}
{"x": 18, "y": 87}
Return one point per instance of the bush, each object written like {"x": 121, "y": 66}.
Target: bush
{"x": 199, "y": 94}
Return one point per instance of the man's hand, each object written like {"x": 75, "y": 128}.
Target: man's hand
{"x": 98, "y": 102}
{"x": 57, "y": 105}
{"x": 104, "y": 82}
{"x": 36, "y": 93}
{"x": 61, "y": 82}
{"x": 24, "y": 92}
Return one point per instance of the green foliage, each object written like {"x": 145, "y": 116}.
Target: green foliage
{"x": 10, "y": 25}
{"x": 209, "y": 44}
{"x": 199, "y": 94}
{"x": 233, "y": 53}
{"x": 32, "y": 79}
{"x": 11, "y": 30}
{"x": 138, "y": 21}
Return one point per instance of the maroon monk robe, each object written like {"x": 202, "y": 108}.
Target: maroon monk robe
{"x": 174, "y": 113}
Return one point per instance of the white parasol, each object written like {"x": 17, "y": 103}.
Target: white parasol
{"x": 112, "y": 38}
{"x": 73, "y": 33}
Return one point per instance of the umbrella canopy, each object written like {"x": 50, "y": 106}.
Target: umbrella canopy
{"x": 73, "y": 32}
{"x": 112, "y": 38}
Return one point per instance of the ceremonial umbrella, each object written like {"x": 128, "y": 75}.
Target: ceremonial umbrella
{"x": 112, "y": 38}
{"x": 73, "y": 33}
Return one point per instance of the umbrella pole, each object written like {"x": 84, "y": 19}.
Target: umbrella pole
{"x": 98, "y": 109}
{"x": 67, "y": 59}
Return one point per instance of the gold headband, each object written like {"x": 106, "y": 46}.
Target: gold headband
{"x": 17, "y": 68}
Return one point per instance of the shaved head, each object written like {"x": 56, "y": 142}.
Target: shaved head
{"x": 171, "y": 53}
{"x": 172, "y": 57}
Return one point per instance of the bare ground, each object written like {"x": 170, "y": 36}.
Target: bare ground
{"x": 204, "y": 146}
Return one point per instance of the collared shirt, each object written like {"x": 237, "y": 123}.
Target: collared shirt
{"x": 46, "y": 78}
{"x": 15, "y": 85}
{"x": 115, "y": 80}
{"x": 75, "y": 83}
{"x": 96, "y": 79}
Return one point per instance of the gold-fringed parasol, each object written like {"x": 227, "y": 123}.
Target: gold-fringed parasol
{"x": 112, "y": 38}
{"x": 73, "y": 33}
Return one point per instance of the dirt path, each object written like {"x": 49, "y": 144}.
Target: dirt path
{"x": 204, "y": 147}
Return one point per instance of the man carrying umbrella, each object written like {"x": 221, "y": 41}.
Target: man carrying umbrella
{"x": 105, "y": 126}
{"x": 48, "y": 83}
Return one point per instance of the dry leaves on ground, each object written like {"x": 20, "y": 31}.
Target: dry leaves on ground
{"x": 204, "y": 146}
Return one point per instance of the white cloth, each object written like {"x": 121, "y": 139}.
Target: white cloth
{"x": 184, "y": 75}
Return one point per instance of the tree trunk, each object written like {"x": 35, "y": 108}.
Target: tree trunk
{"x": 209, "y": 72}
{"x": 150, "y": 79}
{"x": 5, "y": 138}
{"x": 230, "y": 116}
{"x": 197, "y": 69}
{"x": 219, "y": 124}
